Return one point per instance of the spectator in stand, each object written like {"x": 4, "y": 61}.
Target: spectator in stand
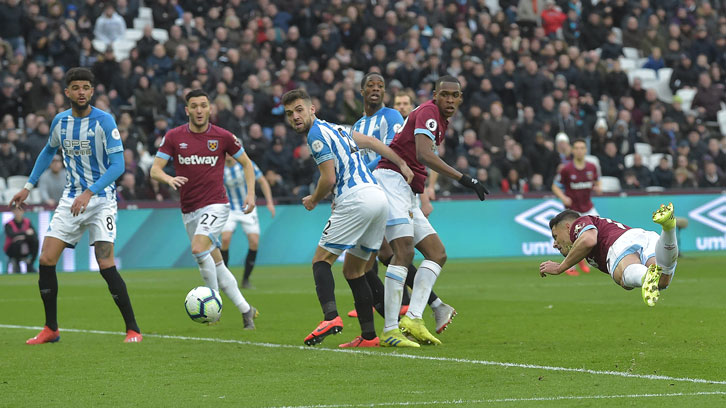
{"x": 514, "y": 184}
{"x": 641, "y": 171}
{"x": 21, "y": 241}
{"x": 127, "y": 188}
{"x": 655, "y": 60}
{"x": 716, "y": 154}
{"x": 52, "y": 182}
{"x": 663, "y": 174}
{"x": 684, "y": 74}
{"x": 493, "y": 128}
{"x": 712, "y": 177}
{"x": 611, "y": 161}
{"x": 552, "y": 18}
{"x": 708, "y": 97}
{"x": 110, "y": 26}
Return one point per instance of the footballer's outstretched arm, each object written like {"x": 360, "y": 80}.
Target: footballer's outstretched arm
{"x": 425, "y": 154}
{"x": 580, "y": 248}
{"x": 249, "y": 170}
{"x": 379, "y": 147}
{"x": 158, "y": 174}
{"x": 267, "y": 193}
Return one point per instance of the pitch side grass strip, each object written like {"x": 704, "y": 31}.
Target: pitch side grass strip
{"x": 409, "y": 356}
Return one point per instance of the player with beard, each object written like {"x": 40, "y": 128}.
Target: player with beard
{"x": 93, "y": 156}
{"x": 198, "y": 151}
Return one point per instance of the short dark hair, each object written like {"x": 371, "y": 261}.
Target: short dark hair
{"x": 368, "y": 76}
{"x": 79, "y": 74}
{"x": 194, "y": 93}
{"x": 405, "y": 92}
{"x": 291, "y": 96}
{"x": 447, "y": 79}
{"x": 566, "y": 215}
{"x": 579, "y": 140}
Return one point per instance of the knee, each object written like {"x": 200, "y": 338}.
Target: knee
{"x": 46, "y": 260}
{"x": 198, "y": 249}
{"x": 440, "y": 257}
{"x": 254, "y": 242}
{"x": 225, "y": 242}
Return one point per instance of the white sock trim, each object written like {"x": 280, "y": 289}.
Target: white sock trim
{"x": 431, "y": 265}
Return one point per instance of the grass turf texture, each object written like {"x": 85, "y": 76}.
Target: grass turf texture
{"x": 507, "y": 313}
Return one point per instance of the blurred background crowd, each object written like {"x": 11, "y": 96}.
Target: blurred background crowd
{"x": 641, "y": 81}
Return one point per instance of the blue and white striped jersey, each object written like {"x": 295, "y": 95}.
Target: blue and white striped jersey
{"x": 328, "y": 141}
{"x": 234, "y": 183}
{"x": 86, "y": 144}
{"x": 382, "y": 125}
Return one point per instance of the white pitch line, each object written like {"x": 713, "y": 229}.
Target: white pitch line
{"x": 397, "y": 355}
{"x": 490, "y": 401}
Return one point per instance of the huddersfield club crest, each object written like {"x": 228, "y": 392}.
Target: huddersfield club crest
{"x": 212, "y": 145}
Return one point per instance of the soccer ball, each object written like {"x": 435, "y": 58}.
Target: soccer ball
{"x": 203, "y": 305}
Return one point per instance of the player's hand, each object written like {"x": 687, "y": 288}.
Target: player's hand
{"x": 176, "y": 182}
{"x": 308, "y": 202}
{"x": 271, "y": 208}
{"x": 426, "y": 207}
{"x": 549, "y": 268}
{"x": 19, "y": 198}
{"x": 407, "y": 173}
{"x": 81, "y": 202}
{"x": 249, "y": 203}
{"x": 474, "y": 184}
{"x": 430, "y": 192}
{"x": 567, "y": 202}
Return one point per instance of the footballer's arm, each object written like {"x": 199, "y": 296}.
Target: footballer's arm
{"x": 567, "y": 201}
{"x": 326, "y": 182}
{"x": 379, "y": 147}
{"x": 158, "y": 174}
{"x": 267, "y": 193}
{"x": 249, "y": 170}
{"x": 580, "y": 248}
{"x": 425, "y": 154}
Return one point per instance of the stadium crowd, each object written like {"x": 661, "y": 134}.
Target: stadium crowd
{"x": 536, "y": 76}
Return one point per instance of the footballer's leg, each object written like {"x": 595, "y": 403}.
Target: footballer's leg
{"x": 226, "y": 241}
{"x": 396, "y": 279}
{"x": 228, "y": 284}
{"x": 429, "y": 270}
{"x": 201, "y": 250}
{"x": 254, "y": 240}
{"x": 117, "y": 288}
{"x": 631, "y": 273}
{"x": 48, "y": 285}
{"x": 325, "y": 289}
{"x": 666, "y": 248}
{"x": 354, "y": 271}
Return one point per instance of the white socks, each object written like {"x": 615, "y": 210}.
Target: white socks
{"x": 666, "y": 251}
{"x": 228, "y": 284}
{"x": 207, "y": 269}
{"x": 393, "y": 292}
{"x": 633, "y": 275}
{"x": 424, "y": 281}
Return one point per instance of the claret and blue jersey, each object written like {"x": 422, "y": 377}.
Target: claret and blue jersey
{"x": 236, "y": 186}
{"x": 328, "y": 141}
{"x": 86, "y": 144}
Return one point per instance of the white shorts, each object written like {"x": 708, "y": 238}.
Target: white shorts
{"x": 405, "y": 218}
{"x": 633, "y": 241}
{"x": 357, "y": 223}
{"x": 99, "y": 219}
{"x": 591, "y": 211}
{"x": 250, "y": 223}
{"x": 207, "y": 221}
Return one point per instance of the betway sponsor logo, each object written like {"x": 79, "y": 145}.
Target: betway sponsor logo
{"x": 194, "y": 159}
{"x": 582, "y": 185}
{"x": 537, "y": 219}
{"x": 713, "y": 214}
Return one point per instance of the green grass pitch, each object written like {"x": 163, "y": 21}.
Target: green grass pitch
{"x": 519, "y": 340}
